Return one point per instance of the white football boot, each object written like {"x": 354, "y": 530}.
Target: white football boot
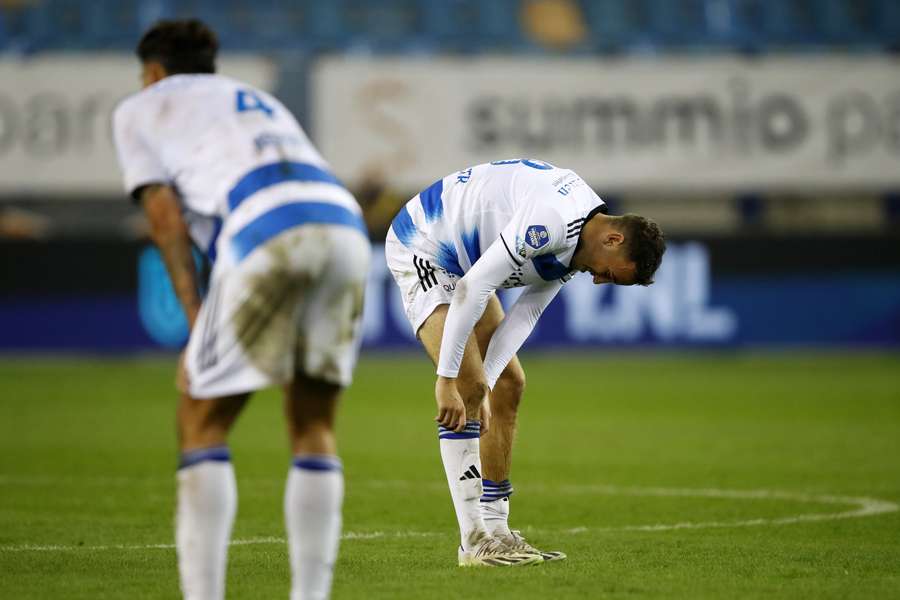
{"x": 516, "y": 542}
{"x": 491, "y": 552}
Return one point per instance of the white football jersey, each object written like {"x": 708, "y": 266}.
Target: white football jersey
{"x": 219, "y": 141}
{"x": 535, "y": 208}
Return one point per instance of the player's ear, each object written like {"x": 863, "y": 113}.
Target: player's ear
{"x": 613, "y": 238}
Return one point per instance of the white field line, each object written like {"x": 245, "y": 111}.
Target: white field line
{"x": 861, "y": 506}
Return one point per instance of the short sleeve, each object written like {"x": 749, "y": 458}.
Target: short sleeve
{"x": 535, "y": 229}
{"x": 138, "y": 160}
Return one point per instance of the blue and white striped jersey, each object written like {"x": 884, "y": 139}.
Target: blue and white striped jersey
{"x": 234, "y": 153}
{"x": 535, "y": 208}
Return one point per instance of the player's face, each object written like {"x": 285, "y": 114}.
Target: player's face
{"x": 613, "y": 269}
{"x": 609, "y": 263}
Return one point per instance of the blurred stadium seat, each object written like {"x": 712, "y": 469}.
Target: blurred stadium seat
{"x": 457, "y": 25}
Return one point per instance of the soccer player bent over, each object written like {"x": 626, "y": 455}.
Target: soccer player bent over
{"x": 218, "y": 163}
{"x": 510, "y": 223}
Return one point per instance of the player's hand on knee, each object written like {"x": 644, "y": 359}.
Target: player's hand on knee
{"x": 451, "y": 410}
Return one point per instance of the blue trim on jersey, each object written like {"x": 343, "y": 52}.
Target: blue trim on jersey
{"x": 275, "y": 173}
{"x": 448, "y": 258}
{"x": 193, "y": 457}
{"x": 211, "y": 249}
{"x": 403, "y": 226}
{"x": 318, "y": 463}
{"x": 472, "y": 244}
{"x": 269, "y": 224}
{"x": 431, "y": 201}
{"x": 549, "y": 268}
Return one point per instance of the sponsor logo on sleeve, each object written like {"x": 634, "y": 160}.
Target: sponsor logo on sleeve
{"x": 536, "y": 236}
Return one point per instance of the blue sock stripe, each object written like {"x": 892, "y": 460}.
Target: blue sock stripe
{"x": 318, "y": 462}
{"x": 496, "y": 490}
{"x": 452, "y": 435}
{"x": 469, "y": 425}
{"x": 472, "y": 430}
{"x": 193, "y": 457}
{"x": 496, "y": 484}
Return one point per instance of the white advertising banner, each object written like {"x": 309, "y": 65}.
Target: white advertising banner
{"x": 664, "y": 123}
{"x": 55, "y": 112}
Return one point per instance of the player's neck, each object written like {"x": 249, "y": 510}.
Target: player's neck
{"x": 591, "y": 232}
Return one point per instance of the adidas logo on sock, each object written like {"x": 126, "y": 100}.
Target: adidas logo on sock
{"x": 471, "y": 473}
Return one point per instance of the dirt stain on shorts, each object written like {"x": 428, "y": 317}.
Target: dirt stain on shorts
{"x": 266, "y": 323}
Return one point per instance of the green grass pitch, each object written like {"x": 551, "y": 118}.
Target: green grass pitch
{"x": 662, "y": 476}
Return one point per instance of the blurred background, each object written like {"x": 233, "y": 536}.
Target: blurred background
{"x": 764, "y": 137}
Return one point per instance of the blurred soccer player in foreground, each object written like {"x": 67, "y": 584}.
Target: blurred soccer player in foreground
{"x": 510, "y": 223}
{"x": 219, "y": 164}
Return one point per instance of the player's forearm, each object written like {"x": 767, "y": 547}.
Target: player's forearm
{"x": 506, "y": 341}
{"x": 515, "y": 329}
{"x": 175, "y": 248}
{"x": 170, "y": 234}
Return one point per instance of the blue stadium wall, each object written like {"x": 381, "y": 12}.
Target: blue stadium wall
{"x": 715, "y": 292}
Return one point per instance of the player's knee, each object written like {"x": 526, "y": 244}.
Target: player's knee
{"x": 509, "y": 389}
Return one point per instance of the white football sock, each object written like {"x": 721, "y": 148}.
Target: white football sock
{"x": 496, "y": 517}
{"x": 312, "y": 511}
{"x": 207, "y": 502}
{"x": 495, "y": 506}
{"x": 462, "y": 464}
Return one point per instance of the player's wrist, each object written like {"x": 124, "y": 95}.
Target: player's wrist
{"x": 445, "y": 382}
{"x": 445, "y": 366}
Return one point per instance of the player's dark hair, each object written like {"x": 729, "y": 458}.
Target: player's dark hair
{"x": 645, "y": 243}
{"x": 180, "y": 46}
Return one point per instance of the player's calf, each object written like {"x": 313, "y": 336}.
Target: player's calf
{"x": 473, "y": 394}
{"x": 315, "y": 486}
{"x": 205, "y": 423}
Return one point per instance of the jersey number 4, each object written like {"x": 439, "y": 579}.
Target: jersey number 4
{"x": 248, "y": 100}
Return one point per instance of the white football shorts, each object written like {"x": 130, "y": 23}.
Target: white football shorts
{"x": 292, "y": 304}
{"x": 424, "y": 285}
